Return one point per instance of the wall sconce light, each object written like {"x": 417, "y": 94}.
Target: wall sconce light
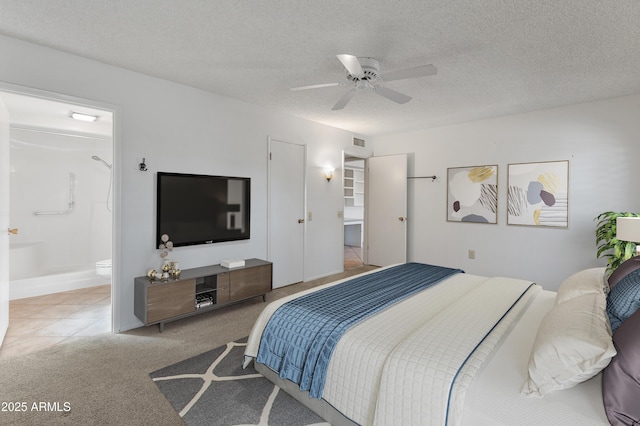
{"x": 628, "y": 229}
{"x": 328, "y": 173}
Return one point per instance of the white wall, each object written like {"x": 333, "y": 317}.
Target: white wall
{"x": 601, "y": 142}
{"x": 181, "y": 129}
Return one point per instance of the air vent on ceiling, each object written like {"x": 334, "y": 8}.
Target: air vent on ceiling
{"x": 358, "y": 142}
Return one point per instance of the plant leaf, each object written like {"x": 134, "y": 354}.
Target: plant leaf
{"x": 628, "y": 250}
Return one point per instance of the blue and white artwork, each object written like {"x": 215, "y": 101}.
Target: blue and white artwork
{"x": 472, "y": 194}
{"x": 538, "y": 194}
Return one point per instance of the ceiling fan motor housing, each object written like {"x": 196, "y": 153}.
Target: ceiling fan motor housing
{"x": 370, "y": 67}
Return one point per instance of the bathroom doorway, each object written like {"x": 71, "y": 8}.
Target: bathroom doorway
{"x": 61, "y": 203}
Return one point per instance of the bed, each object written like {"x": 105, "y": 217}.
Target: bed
{"x": 466, "y": 349}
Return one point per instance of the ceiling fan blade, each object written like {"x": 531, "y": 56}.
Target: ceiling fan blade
{"x": 392, "y": 95}
{"x": 344, "y": 100}
{"x": 315, "y": 86}
{"x": 421, "y": 71}
{"x": 352, "y": 64}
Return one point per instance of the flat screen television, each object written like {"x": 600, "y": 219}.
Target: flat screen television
{"x": 200, "y": 209}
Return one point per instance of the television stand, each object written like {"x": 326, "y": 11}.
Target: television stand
{"x": 200, "y": 290}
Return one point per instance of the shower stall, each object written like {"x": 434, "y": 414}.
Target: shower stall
{"x": 61, "y": 202}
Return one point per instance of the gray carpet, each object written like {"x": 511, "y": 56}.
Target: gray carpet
{"x": 213, "y": 389}
{"x": 105, "y": 378}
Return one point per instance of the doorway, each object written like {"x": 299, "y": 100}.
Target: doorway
{"x": 61, "y": 199}
{"x": 354, "y": 218}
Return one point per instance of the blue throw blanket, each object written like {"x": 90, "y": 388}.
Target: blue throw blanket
{"x": 301, "y": 335}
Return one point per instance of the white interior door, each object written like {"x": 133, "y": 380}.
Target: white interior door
{"x": 386, "y": 210}
{"x": 4, "y": 221}
{"x": 286, "y": 211}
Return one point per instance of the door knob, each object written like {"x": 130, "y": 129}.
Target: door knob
{"x": 401, "y": 218}
{"x": 12, "y": 231}
{"x": 300, "y": 220}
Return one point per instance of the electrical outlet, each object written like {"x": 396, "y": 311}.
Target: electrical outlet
{"x": 340, "y": 214}
{"x": 472, "y": 254}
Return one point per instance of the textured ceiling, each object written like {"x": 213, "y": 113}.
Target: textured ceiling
{"x": 493, "y": 57}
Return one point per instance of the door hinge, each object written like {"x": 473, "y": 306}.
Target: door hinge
{"x": 270, "y": 157}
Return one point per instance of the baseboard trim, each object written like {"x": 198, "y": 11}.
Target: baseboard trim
{"x": 323, "y": 275}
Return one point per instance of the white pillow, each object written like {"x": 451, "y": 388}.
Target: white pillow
{"x": 573, "y": 344}
{"x": 587, "y": 281}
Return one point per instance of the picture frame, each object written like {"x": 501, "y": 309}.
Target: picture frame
{"x": 472, "y": 194}
{"x": 538, "y": 194}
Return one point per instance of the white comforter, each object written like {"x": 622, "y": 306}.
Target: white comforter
{"x": 397, "y": 367}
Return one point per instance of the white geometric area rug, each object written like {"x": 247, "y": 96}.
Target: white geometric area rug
{"x": 213, "y": 389}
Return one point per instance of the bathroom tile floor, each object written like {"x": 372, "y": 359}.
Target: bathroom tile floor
{"x": 43, "y": 321}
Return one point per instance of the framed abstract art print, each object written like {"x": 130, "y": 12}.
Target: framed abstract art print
{"x": 472, "y": 194}
{"x": 538, "y": 194}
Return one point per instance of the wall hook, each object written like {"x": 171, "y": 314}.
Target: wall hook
{"x": 143, "y": 165}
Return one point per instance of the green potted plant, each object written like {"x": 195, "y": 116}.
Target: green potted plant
{"x": 608, "y": 245}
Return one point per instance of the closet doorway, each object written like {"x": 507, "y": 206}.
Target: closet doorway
{"x": 354, "y": 217}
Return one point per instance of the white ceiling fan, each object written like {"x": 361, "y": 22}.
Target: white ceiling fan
{"x": 363, "y": 74}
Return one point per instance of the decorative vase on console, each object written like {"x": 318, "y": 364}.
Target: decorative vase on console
{"x": 174, "y": 270}
{"x": 169, "y": 269}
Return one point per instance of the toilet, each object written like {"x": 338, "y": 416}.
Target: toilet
{"x": 103, "y": 268}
